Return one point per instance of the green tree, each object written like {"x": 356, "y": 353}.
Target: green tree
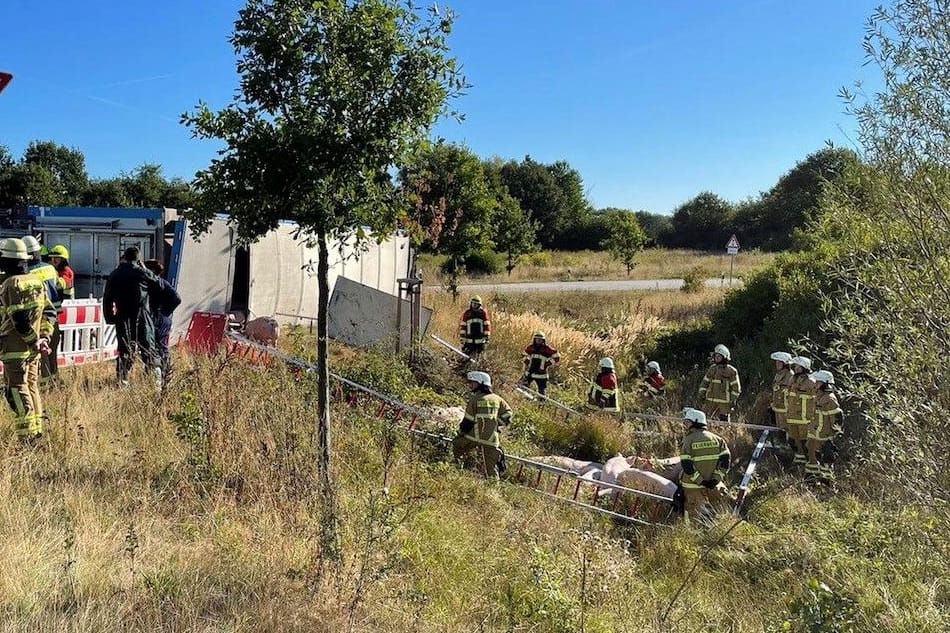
{"x": 333, "y": 95}
{"x": 703, "y": 223}
{"x": 514, "y": 232}
{"x": 657, "y": 226}
{"x": 454, "y": 206}
{"x": 52, "y": 174}
{"x": 626, "y": 237}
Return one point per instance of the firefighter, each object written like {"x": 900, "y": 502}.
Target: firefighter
{"x": 720, "y": 388}
{"x": 778, "y": 409}
{"x": 59, "y": 258}
{"x": 54, "y": 289}
{"x": 538, "y": 357}
{"x": 475, "y": 328}
{"x": 801, "y": 407}
{"x": 825, "y": 427}
{"x": 605, "y": 392}
{"x": 485, "y": 414}
{"x": 654, "y": 384}
{"x": 26, "y": 326}
{"x": 705, "y": 459}
{"x": 125, "y": 303}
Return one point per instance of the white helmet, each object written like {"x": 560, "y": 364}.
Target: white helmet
{"x": 783, "y": 357}
{"x": 801, "y": 361}
{"x": 823, "y": 375}
{"x": 723, "y": 351}
{"x": 32, "y": 244}
{"x": 479, "y": 377}
{"x": 606, "y": 363}
{"x": 14, "y": 248}
{"x": 655, "y": 366}
{"x": 695, "y": 416}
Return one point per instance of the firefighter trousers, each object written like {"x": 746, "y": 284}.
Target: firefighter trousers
{"x": 487, "y": 455}
{"x": 22, "y": 376}
{"x": 698, "y": 498}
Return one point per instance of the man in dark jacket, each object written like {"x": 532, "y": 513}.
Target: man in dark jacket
{"x": 125, "y": 304}
{"x": 162, "y": 304}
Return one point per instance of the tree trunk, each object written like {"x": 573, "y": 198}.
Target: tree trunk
{"x": 329, "y": 531}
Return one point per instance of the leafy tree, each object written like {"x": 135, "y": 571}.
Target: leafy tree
{"x": 333, "y": 95}
{"x": 770, "y": 222}
{"x": 626, "y": 237}
{"x": 551, "y": 195}
{"x": 703, "y": 223}
{"x": 890, "y": 320}
{"x": 657, "y": 226}
{"x": 515, "y": 233}
{"x": 53, "y": 174}
{"x": 454, "y": 206}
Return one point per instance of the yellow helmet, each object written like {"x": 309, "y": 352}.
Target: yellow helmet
{"x": 539, "y": 334}
{"x": 59, "y": 251}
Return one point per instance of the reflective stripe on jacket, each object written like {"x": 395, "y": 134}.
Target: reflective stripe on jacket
{"x": 780, "y": 384}
{"x": 537, "y": 359}
{"x": 27, "y": 315}
{"x": 605, "y": 393}
{"x": 475, "y": 326}
{"x": 826, "y": 423}
{"x": 487, "y": 411}
{"x": 721, "y": 384}
{"x": 704, "y": 450}
{"x": 801, "y": 400}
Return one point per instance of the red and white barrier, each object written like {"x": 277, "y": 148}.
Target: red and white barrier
{"x": 85, "y": 336}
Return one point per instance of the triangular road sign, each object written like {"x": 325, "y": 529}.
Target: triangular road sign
{"x": 733, "y": 242}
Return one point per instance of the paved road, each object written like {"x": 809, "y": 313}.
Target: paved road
{"x": 591, "y": 286}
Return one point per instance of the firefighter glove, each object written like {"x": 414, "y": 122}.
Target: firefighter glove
{"x": 709, "y": 483}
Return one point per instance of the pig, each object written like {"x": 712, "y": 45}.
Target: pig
{"x": 264, "y": 330}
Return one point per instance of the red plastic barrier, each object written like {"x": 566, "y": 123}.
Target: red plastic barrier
{"x": 205, "y": 331}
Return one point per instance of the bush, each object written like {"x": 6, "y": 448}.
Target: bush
{"x": 694, "y": 279}
{"x": 541, "y": 259}
{"x": 595, "y": 438}
{"x": 475, "y": 263}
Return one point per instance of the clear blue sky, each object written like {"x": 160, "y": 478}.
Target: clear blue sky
{"x": 652, "y": 101}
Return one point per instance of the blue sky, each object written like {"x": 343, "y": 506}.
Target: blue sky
{"x": 652, "y": 101}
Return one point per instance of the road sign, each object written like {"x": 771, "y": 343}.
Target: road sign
{"x": 5, "y": 78}
{"x": 732, "y": 250}
{"x": 733, "y": 243}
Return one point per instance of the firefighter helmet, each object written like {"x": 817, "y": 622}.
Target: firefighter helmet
{"x": 13, "y": 248}
{"x": 723, "y": 351}
{"x": 783, "y": 357}
{"x": 479, "y": 377}
{"x": 655, "y": 366}
{"x": 696, "y": 417}
{"x": 823, "y": 375}
{"x": 539, "y": 334}
{"x": 606, "y": 363}
{"x": 477, "y": 300}
{"x": 801, "y": 361}
{"x": 32, "y": 244}
{"x": 59, "y": 251}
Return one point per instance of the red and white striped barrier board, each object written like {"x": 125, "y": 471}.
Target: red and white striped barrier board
{"x": 85, "y": 337}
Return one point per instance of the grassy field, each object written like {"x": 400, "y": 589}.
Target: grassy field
{"x": 652, "y": 263}
{"x": 197, "y": 511}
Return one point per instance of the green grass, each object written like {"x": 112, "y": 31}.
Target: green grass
{"x": 198, "y": 512}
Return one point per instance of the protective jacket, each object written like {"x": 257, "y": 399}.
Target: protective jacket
{"x": 48, "y": 275}
{"x": 780, "y": 385}
{"x": 655, "y": 384}
{"x": 484, "y": 415}
{"x": 605, "y": 393}
{"x": 704, "y": 456}
{"x": 827, "y": 419}
{"x": 721, "y": 385}
{"x": 28, "y": 315}
{"x": 801, "y": 400}
{"x": 537, "y": 359}
{"x": 475, "y": 326}
{"x": 67, "y": 282}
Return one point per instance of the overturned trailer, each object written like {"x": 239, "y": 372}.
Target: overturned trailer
{"x": 274, "y": 276}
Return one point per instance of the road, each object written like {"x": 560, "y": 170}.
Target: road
{"x": 591, "y": 286}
